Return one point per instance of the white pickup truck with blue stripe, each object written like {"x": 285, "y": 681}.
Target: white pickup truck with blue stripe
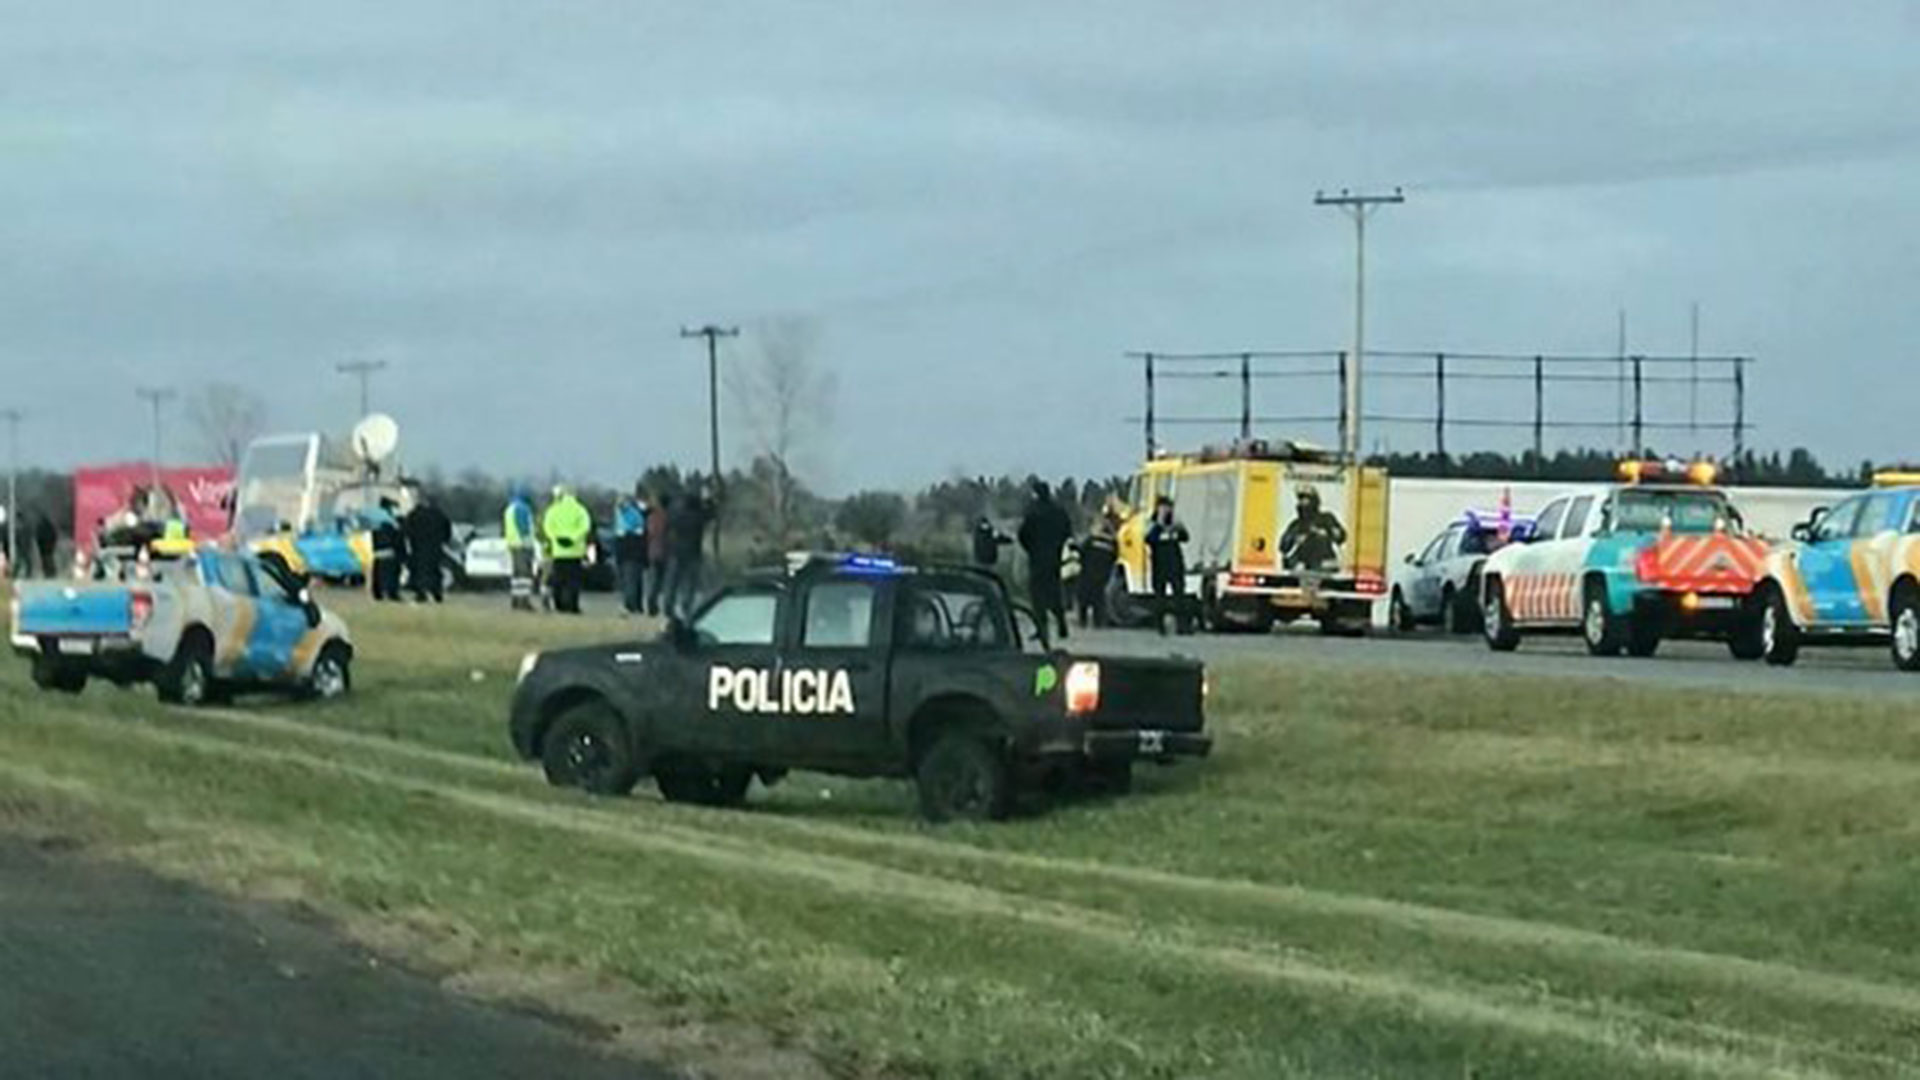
{"x": 197, "y": 627}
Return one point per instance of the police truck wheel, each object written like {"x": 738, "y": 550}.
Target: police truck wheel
{"x": 1496, "y": 624}
{"x": 49, "y": 673}
{"x": 1779, "y": 638}
{"x": 1399, "y": 615}
{"x": 1603, "y": 631}
{"x": 962, "y": 777}
{"x": 332, "y": 674}
{"x": 587, "y": 749}
{"x": 1906, "y": 628}
{"x": 188, "y": 677}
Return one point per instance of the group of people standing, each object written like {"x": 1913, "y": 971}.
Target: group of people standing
{"x": 415, "y": 544}
{"x": 658, "y": 549}
{"x": 42, "y": 541}
{"x": 1046, "y": 536}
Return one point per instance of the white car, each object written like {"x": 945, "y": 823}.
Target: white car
{"x": 1440, "y": 584}
{"x": 486, "y": 559}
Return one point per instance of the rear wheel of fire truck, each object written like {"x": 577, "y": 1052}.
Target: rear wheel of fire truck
{"x": 1347, "y": 618}
{"x": 1603, "y": 632}
{"x": 1779, "y": 638}
{"x": 1127, "y": 609}
{"x": 1496, "y": 622}
{"x": 187, "y": 679}
{"x": 1399, "y": 615}
{"x": 963, "y": 777}
{"x": 1906, "y": 626}
{"x": 586, "y": 748}
{"x": 52, "y": 673}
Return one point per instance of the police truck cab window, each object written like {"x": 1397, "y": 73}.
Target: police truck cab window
{"x": 952, "y": 615}
{"x": 839, "y": 615}
{"x": 739, "y": 618}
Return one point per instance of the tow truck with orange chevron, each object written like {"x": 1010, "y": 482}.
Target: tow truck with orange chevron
{"x": 1663, "y": 553}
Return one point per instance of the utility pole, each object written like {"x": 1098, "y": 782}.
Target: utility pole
{"x": 1620, "y": 380}
{"x": 12, "y": 417}
{"x": 713, "y": 334}
{"x": 1359, "y": 208}
{"x": 1693, "y": 372}
{"x": 365, "y": 369}
{"x": 155, "y": 396}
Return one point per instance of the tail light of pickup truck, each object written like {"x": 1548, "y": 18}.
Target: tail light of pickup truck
{"x": 139, "y": 610}
{"x": 1083, "y": 688}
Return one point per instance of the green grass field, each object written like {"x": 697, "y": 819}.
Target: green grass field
{"x": 1403, "y": 876}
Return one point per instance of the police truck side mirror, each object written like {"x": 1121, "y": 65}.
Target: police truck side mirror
{"x": 681, "y": 635}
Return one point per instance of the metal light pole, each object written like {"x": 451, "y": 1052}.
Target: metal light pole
{"x": 713, "y": 334}
{"x": 365, "y": 369}
{"x": 1359, "y": 208}
{"x": 12, "y": 417}
{"x": 155, "y": 396}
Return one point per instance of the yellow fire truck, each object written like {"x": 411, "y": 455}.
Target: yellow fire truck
{"x": 1277, "y": 531}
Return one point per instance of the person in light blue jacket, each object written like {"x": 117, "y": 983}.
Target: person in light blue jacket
{"x": 630, "y": 549}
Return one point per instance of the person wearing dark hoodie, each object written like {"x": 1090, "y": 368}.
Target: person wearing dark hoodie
{"x": 987, "y": 542}
{"x": 1044, "y": 533}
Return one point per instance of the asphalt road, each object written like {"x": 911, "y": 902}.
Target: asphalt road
{"x": 1704, "y": 664}
{"x": 108, "y": 972}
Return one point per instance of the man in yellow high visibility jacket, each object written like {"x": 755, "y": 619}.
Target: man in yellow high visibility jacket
{"x": 566, "y": 526}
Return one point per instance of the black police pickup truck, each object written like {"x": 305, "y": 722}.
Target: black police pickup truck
{"x": 858, "y": 666}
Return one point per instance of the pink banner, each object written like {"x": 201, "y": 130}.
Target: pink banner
{"x": 200, "y": 493}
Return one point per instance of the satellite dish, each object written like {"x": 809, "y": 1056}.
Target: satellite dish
{"x": 375, "y": 438}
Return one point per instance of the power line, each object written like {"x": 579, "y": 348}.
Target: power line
{"x": 1359, "y": 208}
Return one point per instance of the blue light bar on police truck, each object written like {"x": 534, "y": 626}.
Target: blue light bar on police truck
{"x": 869, "y": 564}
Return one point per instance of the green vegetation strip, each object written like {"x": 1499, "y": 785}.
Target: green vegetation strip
{"x": 1391, "y": 878}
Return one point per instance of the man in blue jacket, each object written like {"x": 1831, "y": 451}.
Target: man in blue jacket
{"x": 630, "y": 549}
{"x": 518, "y": 529}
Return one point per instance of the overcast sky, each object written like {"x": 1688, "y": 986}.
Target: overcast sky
{"x": 978, "y": 206}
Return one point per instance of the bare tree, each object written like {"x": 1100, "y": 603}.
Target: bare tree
{"x": 785, "y": 402}
{"x": 225, "y": 418}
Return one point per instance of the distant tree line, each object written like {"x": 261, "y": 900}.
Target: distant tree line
{"x": 1798, "y": 468}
